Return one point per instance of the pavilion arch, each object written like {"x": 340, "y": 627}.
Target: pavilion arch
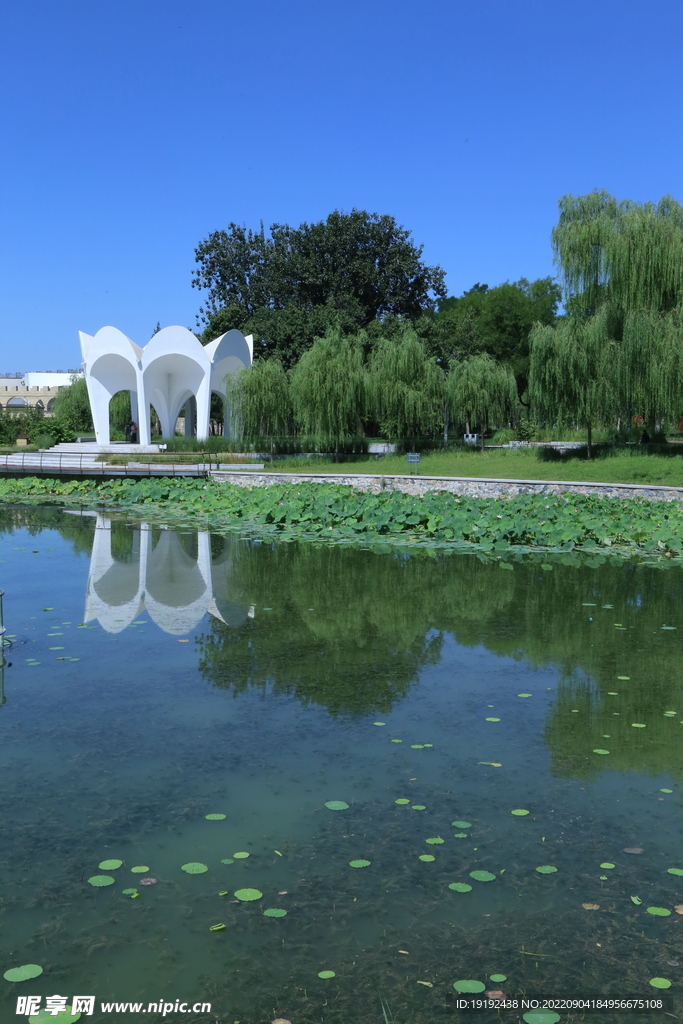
{"x": 173, "y": 370}
{"x": 17, "y": 403}
{"x": 51, "y": 404}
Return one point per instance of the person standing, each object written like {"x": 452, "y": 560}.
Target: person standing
{"x": 126, "y": 432}
{"x": 133, "y": 432}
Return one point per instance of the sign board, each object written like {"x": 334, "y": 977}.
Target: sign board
{"x": 412, "y": 457}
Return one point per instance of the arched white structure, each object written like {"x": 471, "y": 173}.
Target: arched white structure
{"x": 173, "y": 370}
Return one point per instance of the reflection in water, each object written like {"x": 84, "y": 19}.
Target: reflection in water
{"x": 177, "y": 578}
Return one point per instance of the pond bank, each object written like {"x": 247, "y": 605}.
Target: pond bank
{"x": 464, "y": 486}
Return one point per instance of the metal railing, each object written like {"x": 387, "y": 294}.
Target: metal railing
{"x": 66, "y": 463}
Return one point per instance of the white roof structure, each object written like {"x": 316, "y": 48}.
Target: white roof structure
{"x": 173, "y": 369}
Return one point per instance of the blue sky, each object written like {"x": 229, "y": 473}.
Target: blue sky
{"x": 133, "y": 128}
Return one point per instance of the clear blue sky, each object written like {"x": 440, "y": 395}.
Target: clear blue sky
{"x": 133, "y": 128}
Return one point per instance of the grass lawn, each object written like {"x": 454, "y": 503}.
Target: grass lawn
{"x": 631, "y": 467}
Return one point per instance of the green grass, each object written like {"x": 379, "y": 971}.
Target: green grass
{"x": 636, "y": 467}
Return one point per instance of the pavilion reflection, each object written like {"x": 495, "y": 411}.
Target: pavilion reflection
{"x": 177, "y": 578}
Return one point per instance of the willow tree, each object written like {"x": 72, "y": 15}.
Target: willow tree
{"x": 575, "y": 372}
{"x": 628, "y": 254}
{"x": 328, "y": 387}
{"x": 481, "y": 390}
{"x": 406, "y": 387}
{"x": 258, "y": 401}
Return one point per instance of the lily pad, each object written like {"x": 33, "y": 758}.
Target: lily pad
{"x": 215, "y": 817}
{"x": 546, "y": 869}
{"x": 248, "y": 895}
{"x": 337, "y": 805}
{"x": 275, "y": 912}
{"x": 359, "y": 863}
{"x": 327, "y": 974}
{"x": 417, "y": 746}
{"x": 493, "y": 719}
{"x": 101, "y": 880}
{"x": 541, "y": 1017}
{"x": 600, "y": 750}
{"x": 397, "y": 741}
{"x": 520, "y": 812}
{"x": 623, "y": 677}
{"x": 607, "y": 864}
{"x": 24, "y": 973}
{"x": 659, "y": 911}
{"x": 460, "y": 835}
{"x": 110, "y": 865}
{"x": 128, "y": 892}
{"x": 241, "y": 855}
{"x": 660, "y": 982}
{"x": 498, "y": 977}
{"x": 140, "y": 869}
{"x": 638, "y": 725}
{"x": 461, "y": 824}
{"x": 636, "y": 900}
{"x": 379, "y": 723}
{"x": 217, "y": 927}
{"x": 402, "y": 801}
{"x": 460, "y": 887}
{"x": 418, "y": 807}
{"x": 675, "y": 871}
{"x": 228, "y": 860}
{"x": 193, "y": 868}
{"x": 469, "y": 986}
{"x": 482, "y": 876}
{"x": 436, "y": 841}
{"x": 43, "y": 1016}
{"x": 427, "y": 856}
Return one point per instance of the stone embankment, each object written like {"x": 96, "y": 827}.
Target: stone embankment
{"x": 466, "y": 486}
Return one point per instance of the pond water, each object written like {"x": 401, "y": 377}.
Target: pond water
{"x": 156, "y": 677}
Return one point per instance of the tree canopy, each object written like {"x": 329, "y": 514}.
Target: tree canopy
{"x": 289, "y": 285}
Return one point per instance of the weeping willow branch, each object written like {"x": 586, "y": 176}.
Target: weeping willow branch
{"x": 406, "y": 387}
{"x": 481, "y": 390}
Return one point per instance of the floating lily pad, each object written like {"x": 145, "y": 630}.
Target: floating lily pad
{"x": 43, "y": 1016}
{"x": 675, "y": 871}
{"x": 418, "y": 807}
{"x": 546, "y": 869}
{"x": 469, "y": 986}
{"x": 660, "y": 982}
{"x": 493, "y": 719}
{"x": 520, "y": 812}
{"x": 461, "y": 824}
{"x": 248, "y": 895}
{"x": 217, "y": 927}
{"x": 600, "y": 750}
{"x": 436, "y": 841}
{"x": 379, "y": 723}
{"x": 498, "y": 977}
{"x": 669, "y": 627}
{"x": 327, "y": 974}
{"x": 101, "y": 880}
{"x": 623, "y": 677}
{"x": 417, "y": 746}
{"x": 215, "y": 817}
{"x": 402, "y": 801}
{"x": 397, "y": 741}
{"x": 541, "y": 1017}
{"x": 524, "y": 695}
{"x": 636, "y": 900}
{"x": 110, "y": 865}
{"x": 606, "y": 864}
{"x": 359, "y": 863}
{"x": 128, "y": 892}
{"x": 275, "y": 912}
{"x": 669, "y": 714}
{"x": 460, "y": 887}
{"x": 228, "y": 860}
{"x": 241, "y": 855}
{"x": 24, "y": 973}
{"x": 337, "y": 805}
{"x": 659, "y": 911}
{"x": 638, "y": 725}
{"x": 140, "y": 869}
{"x": 482, "y": 876}
{"x": 460, "y": 835}
{"x": 193, "y": 868}
{"x": 427, "y": 856}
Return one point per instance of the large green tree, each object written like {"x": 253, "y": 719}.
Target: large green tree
{"x": 290, "y": 285}
{"x": 328, "y": 388}
{"x": 480, "y": 390}
{"x": 259, "y": 402}
{"x": 407, "y": 387}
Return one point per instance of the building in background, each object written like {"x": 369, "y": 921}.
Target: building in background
{"x": 33, "y": 390}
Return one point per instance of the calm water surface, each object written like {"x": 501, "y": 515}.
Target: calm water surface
{"x": 156, "y": 677}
